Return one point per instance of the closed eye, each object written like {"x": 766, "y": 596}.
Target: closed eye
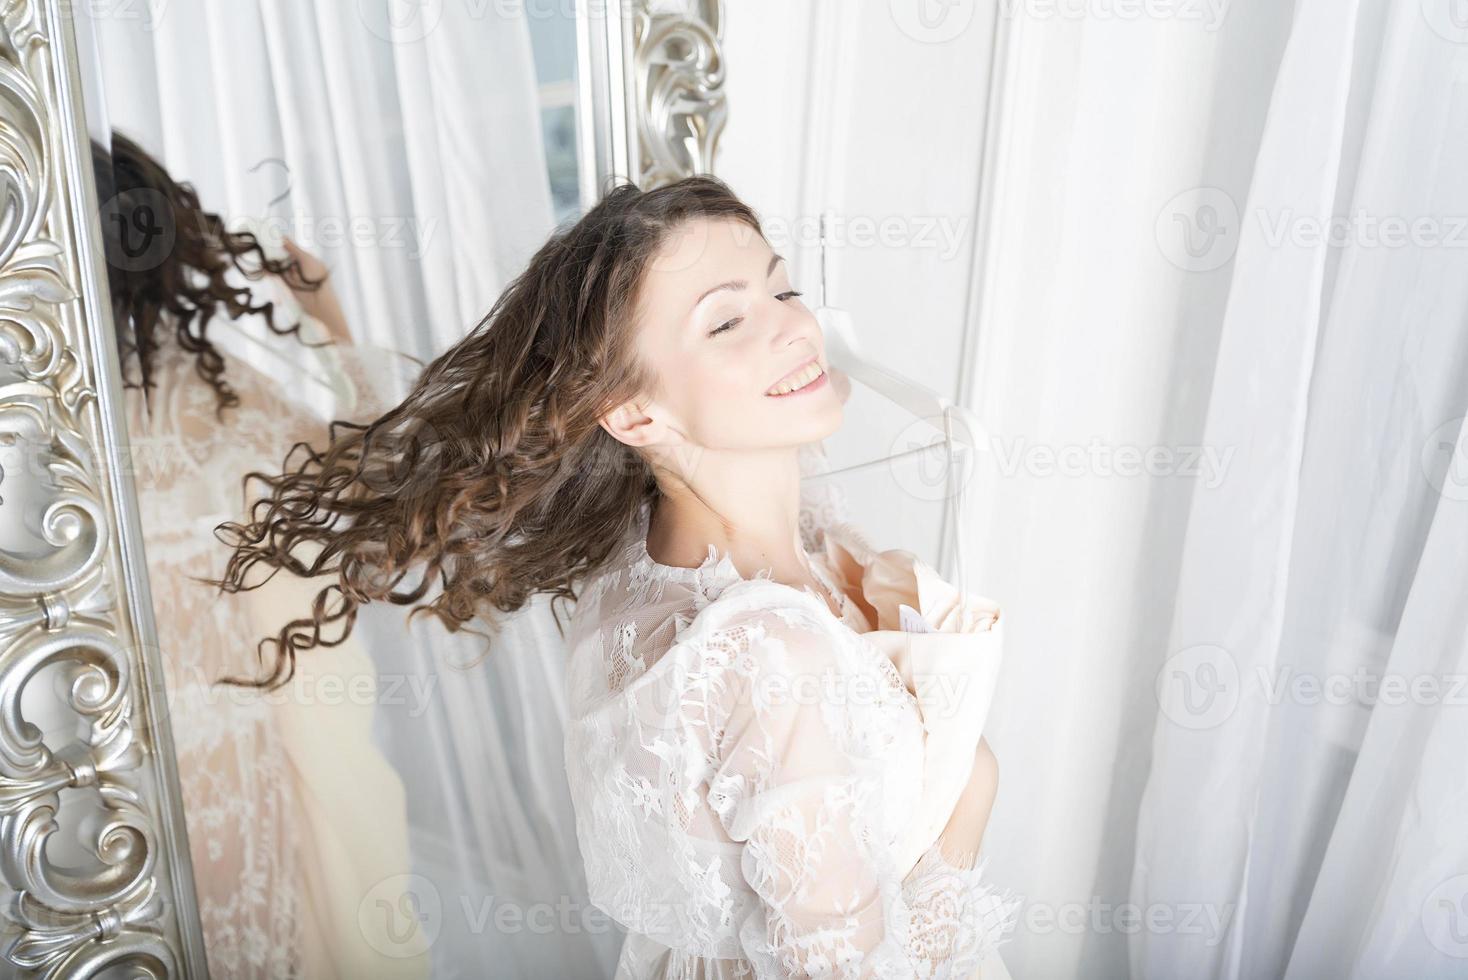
{"x": 731, "y": 324}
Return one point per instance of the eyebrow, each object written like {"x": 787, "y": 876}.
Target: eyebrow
{"x": 734, "y": 283}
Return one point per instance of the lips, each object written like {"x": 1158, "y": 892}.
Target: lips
{"x": 808, "y": 373}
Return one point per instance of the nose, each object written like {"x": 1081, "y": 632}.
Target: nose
{"x": 794, "y": 325}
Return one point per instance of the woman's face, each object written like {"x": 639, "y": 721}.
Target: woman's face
{"x": 721, "y": 328}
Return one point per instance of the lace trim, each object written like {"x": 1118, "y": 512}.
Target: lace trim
{"x": 714, "y": 565}
{"x": 716, "y": 572}
{"x": 957, "y": 917}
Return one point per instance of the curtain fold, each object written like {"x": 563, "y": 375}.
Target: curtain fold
{"x": 1291, "y": 794}
{"x": 1154, "y": 281}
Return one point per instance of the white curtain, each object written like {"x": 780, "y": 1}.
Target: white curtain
{"x": 403, "y": 146}
{"x": 1308, "y": 780}
{"x": 1180, "y": 437}
{"x": 406, "y": 153}
{"x": 1084, "y": 344}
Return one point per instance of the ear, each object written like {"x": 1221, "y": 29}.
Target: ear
{"x": 629, "y": 423}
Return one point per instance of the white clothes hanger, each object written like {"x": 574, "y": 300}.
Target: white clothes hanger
{"x": 956, "y": 424}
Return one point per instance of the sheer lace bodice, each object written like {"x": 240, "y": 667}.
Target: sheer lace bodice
{"x": 745, "y": 767}
{"x": 253, "y": 856}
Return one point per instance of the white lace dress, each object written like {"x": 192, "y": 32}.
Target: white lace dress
{"x": 745, "y": 770}
{"x": 291, "y": 813}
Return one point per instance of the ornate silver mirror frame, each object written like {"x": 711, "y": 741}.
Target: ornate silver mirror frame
{"x": 92, "y": 843}
{"x": 652, "y": 79}
{"x": 91, "y": 835}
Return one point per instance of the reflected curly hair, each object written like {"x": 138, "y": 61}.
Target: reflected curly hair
{"x": 492, "y": 478}
{"x": 167, "y": 258}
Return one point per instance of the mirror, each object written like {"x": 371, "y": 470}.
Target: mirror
{"x": 369, "y": 177}
{"x": 280, "y": 213}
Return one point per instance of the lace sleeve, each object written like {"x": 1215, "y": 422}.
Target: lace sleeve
{"x": 799, "y": 784}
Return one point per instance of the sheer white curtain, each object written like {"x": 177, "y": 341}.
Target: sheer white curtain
{"x": 409, "y": 142}
{"x": 406, "y": 153}
{"x": 1095, "y": 346}
{"x": 1090, "y": 347}
{"x": 1135, "y": 362}
{"x": 1309, "y": 779}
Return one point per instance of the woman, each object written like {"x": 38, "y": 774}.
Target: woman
{"x": 625, "y": 425}
{"x": 270, "y": 786}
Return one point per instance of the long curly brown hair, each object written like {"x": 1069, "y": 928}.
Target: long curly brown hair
{"x": 492, "y": 480}
{"x": 167, "y": 258}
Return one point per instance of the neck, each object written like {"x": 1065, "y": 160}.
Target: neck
{"x": 747, "y": 505}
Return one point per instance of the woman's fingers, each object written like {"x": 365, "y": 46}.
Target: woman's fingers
{"x": 313, "y": 267}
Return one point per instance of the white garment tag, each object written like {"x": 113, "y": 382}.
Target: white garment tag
{"x": 910, "y": 620}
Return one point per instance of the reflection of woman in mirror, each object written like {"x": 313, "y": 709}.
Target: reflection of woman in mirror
{"x": 274, "y": 840}
{"x": 625, "y": 428}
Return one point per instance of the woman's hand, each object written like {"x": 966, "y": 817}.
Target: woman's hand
{"x": 321, "y": 302}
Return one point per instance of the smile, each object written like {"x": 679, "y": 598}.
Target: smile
{"x": 802, "y": 379}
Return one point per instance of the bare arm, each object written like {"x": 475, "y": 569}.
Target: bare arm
{"x": 964, "y": 831}
{"x": 321, "y": 302}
